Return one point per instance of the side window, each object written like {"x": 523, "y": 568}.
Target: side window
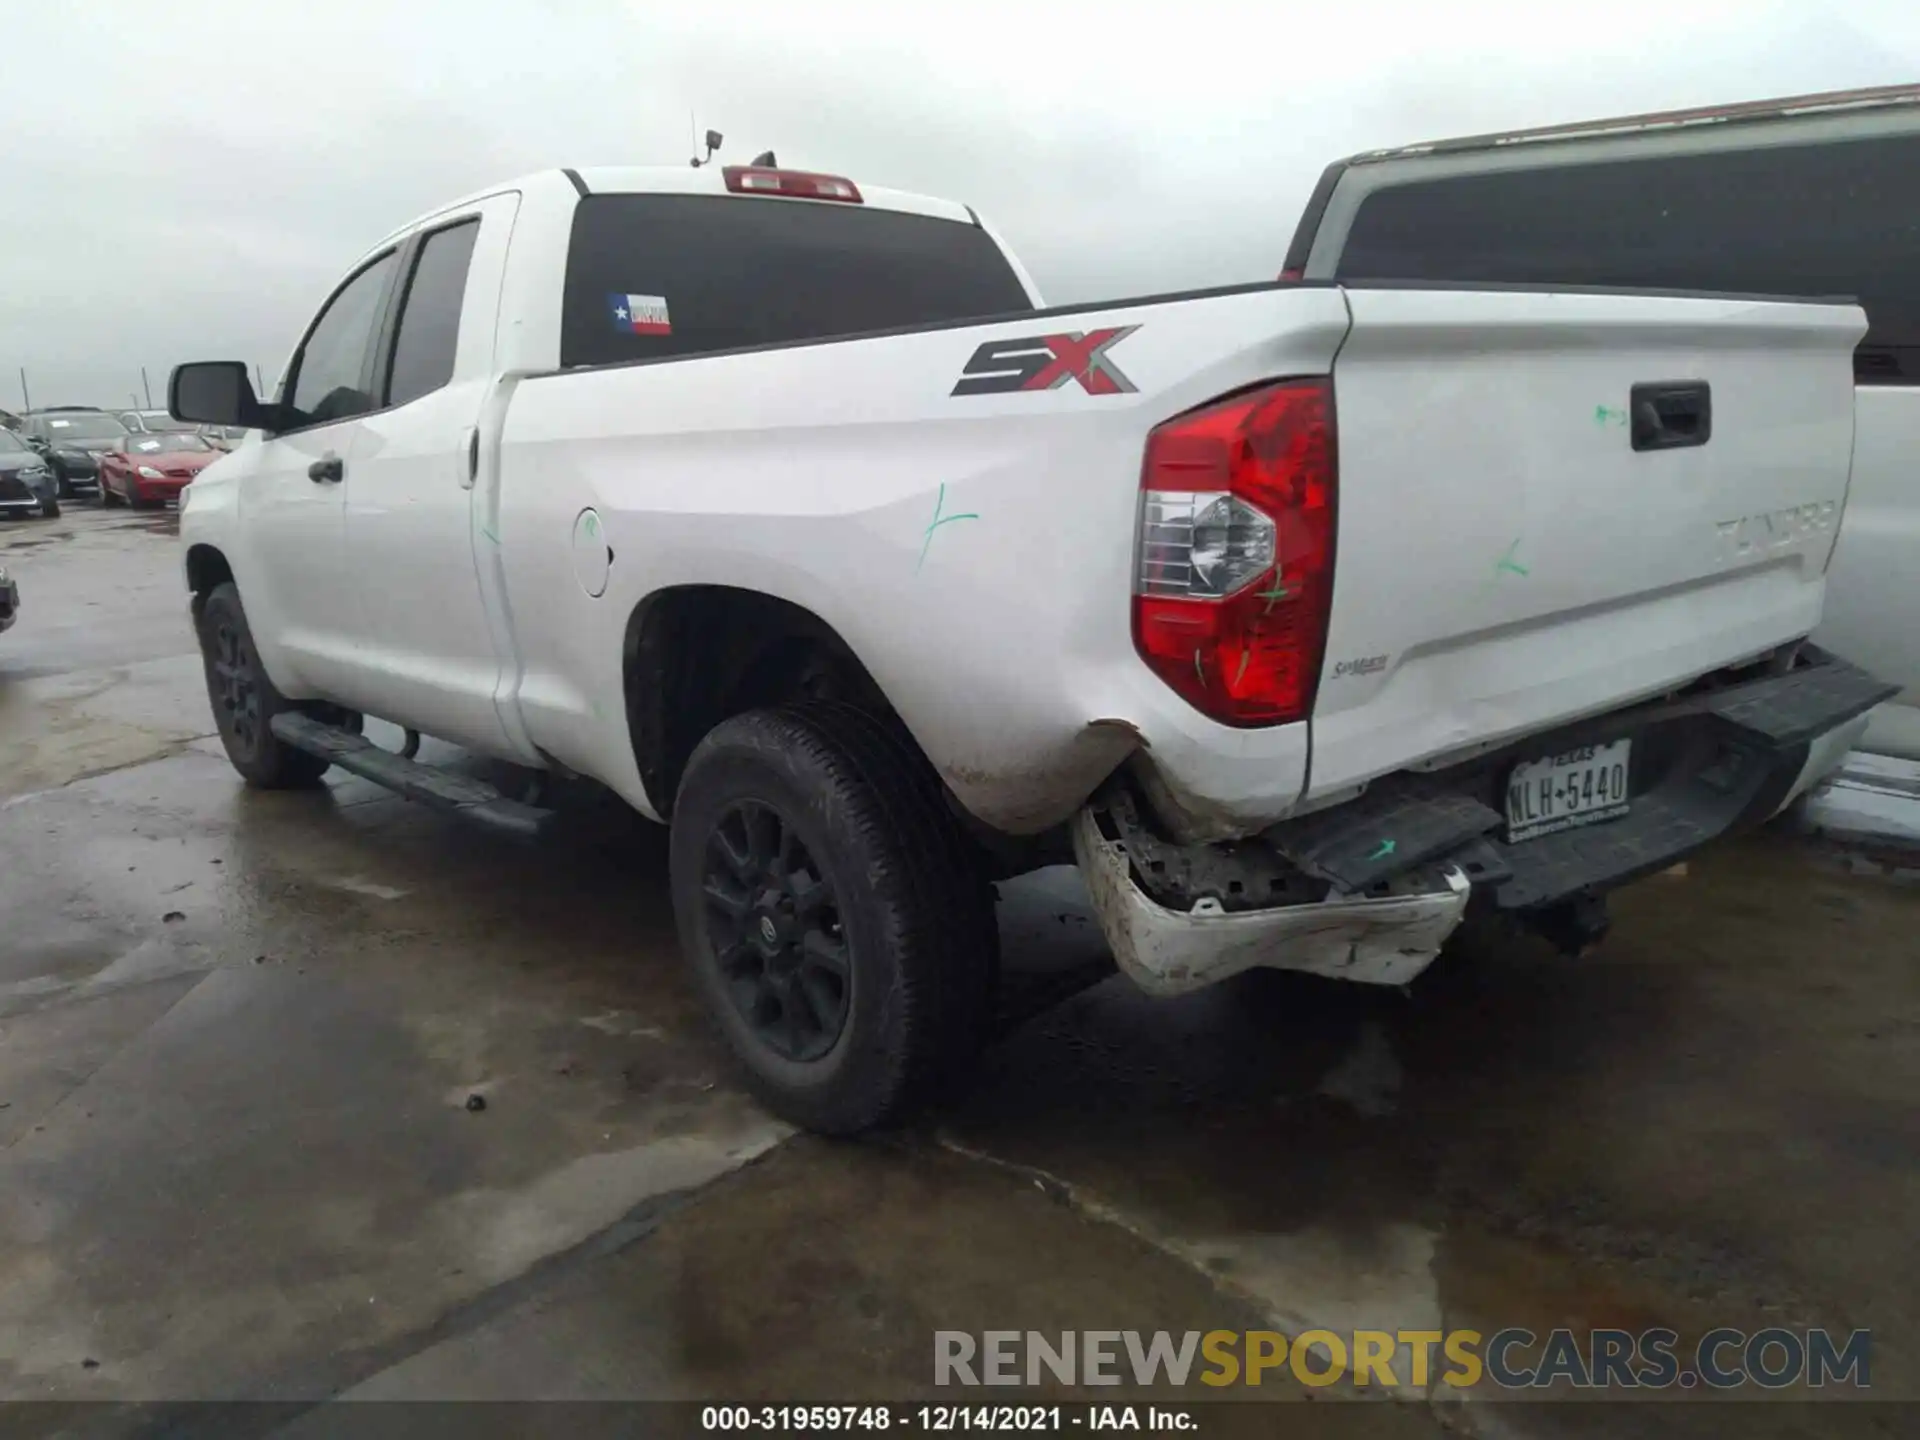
{"x": 429, "y": 332}
{"x": 330, "y": 369}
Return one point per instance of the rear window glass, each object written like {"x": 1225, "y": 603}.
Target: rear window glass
{"x": 83, "y": 427}
{"x": 650, "y": 276}
{"x": 1841, "y": 218}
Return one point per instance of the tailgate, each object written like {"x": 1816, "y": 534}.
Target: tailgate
{"x": 1518, "y": 548}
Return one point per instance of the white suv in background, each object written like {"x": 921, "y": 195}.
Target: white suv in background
{"x": 1817, "y": 195}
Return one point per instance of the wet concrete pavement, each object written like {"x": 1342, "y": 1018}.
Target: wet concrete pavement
{"x": 239, "y": 1034}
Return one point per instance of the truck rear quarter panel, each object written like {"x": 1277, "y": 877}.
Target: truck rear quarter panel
{"x": 975, "y": 551}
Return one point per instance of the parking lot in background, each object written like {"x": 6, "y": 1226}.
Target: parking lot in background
{"x": 315, "y": 1094}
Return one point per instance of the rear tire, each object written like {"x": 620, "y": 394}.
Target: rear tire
{"x": 50, "y": 507}
{"x": 244, "y": 700}
{"x": 836, "y": 917}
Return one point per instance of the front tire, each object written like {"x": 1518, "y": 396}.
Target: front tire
{"x": 244, "y": 700}
{"x": 49, "y": 507}
{"x": 838, "y": 924}
{"x": 107, "y": 498}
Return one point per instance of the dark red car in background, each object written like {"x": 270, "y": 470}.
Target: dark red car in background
{"x": 148, "y": 470}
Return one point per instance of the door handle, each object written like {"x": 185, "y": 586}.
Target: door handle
{"x": 1672, "y": 415}
{"x": 329, "y": 471}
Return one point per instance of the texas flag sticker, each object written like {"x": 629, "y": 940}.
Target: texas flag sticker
{"x": 640, "y": 314}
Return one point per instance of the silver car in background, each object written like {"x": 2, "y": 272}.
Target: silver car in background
{"x": 27, "y": 485}
{"x": 153, "y": 422}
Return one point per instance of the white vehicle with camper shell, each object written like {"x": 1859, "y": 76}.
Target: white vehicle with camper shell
{"x": 1300, "y": 616}
{"x": 1819, "y": 193}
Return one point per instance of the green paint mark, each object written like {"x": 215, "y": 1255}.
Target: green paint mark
{"x": 1508, "y": 564}
{"x": 1199, "y": 669}
{"x": 1245, "y": 655}
{"x": 489, "y": 534}
{"x": 1274, "y": 595}
{"x": 939, "y": 504}
{"x": 1602, "y": 415}
{"x": 1386, "y": 849}
{"x": 593, "y": 525}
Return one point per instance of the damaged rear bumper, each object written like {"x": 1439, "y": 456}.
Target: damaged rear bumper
{"x": 1370, "y": 890}
{"x": 1379, "y": 940}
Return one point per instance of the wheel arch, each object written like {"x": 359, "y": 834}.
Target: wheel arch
{"x": 695, "y": 655}
{"x": 206, "y": 567}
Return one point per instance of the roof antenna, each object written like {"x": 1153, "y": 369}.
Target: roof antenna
{"x": 765, "y": 159}
{"x": 713, "y": 144}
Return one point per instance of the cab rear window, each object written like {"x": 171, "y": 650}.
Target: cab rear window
{"x": 655, "y": 276}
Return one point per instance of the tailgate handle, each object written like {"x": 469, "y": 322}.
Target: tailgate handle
{"x": 1671, "y": 414}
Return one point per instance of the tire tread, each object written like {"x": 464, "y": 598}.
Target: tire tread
{"x": 274, "y": 766}
{"x": 945, "y": 948}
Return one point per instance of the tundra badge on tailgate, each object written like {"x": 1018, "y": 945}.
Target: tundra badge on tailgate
{"x": 1046, "y": 362}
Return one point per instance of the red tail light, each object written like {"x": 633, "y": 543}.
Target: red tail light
{"x": 797, "y": 184}
{"x": 1235, "y": 568}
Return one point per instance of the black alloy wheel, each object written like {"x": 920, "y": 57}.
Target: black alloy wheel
{"x": 236, "y": 694}
{"x": 834, "y": 912}
{"x": 775, "y": 928}
{"x": 245, "y": 701}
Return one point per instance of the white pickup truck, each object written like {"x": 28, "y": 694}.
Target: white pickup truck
{"x": 1304, "y": 614}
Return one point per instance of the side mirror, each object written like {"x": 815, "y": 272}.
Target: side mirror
{"x": 215, "y": 392}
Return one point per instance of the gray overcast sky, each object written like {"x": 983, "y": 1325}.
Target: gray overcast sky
{"x": 187, "y": 180}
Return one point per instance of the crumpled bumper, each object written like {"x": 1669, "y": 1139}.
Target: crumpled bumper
{"x": 1384, "y": 940}
{"x": 1385, "y": 878}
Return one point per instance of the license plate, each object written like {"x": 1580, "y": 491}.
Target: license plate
{"x": 1560, "y": 792}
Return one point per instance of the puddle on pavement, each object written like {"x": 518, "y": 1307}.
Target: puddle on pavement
{"x": 1368, "y": 1078}
{"x": 1653, "y": 1136}
{"x": 313, "y": 1102}
{"x": 31, "y": 542}
{"x": 1658, "y": 1136}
